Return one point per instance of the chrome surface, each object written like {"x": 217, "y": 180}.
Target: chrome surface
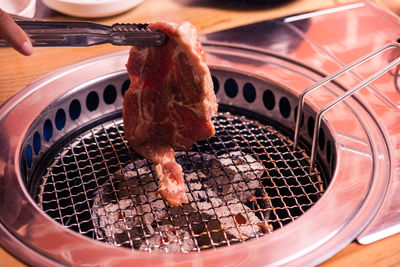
{"x": 63, "y": 245}
{"x": 341, "y": 98}
{"x": 286, "y": 57}
{"x": 360, "y": 28}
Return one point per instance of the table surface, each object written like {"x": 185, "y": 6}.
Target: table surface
{"x": 208, "y": 16}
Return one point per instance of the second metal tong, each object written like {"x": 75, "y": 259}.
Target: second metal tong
{"x": 73, "y": 33}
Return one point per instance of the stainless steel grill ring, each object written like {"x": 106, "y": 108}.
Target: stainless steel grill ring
{"x": 83, "y": 196}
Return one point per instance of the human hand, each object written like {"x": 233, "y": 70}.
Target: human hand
{"x": 14, "y": 35}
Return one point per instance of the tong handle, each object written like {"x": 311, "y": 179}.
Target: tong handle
{"x": 76, "y": 33}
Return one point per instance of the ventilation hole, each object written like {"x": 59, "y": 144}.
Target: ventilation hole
{"x": 60, "y": 119}
{"x": 231, "y": 88}
{"x": 284, "y": 107}
{"x": 36, "y": 143}
{"x": 321, "y": 139}
{"x": 29, "y": 155}
{"x": 110, "y": 94}
{"x": 310, "y": 126}
{"x": 216, "y": 84}
{"x": 92, "y": 101}
{"x": 269, "y": 99}
{"x": 249, "y": 92}
{"x": 301, "y": 118}
{"x": 328, "y": 152}
{"x": 125, "y": 86}
{"x": 47, "y": 130}
{"x": 333, "y": 164}
{"x": 74, "y": 109}
{"x": 24, "y": 169}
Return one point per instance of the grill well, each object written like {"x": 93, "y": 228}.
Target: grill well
{"x": 242, "y": 183}
{"x": 67, "y": 150}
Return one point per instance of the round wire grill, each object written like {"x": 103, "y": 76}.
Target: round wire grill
{"x": 242, "y": 183}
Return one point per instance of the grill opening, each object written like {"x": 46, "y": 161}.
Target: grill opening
{"x": 243, "y": 183}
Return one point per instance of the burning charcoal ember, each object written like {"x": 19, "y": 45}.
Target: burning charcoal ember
{"x": 110, "y": 220}
{"x": 266, "y": 228}
{"x": 240, "y": 231}
{"x": 166, "y": 241}
{"x": 260, "y": 203}
{"x": 240, "y": 219}
{"x": 224, "y": 201}
{"x": 215, "y": 231}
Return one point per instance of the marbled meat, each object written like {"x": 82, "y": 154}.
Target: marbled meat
{"x": 169, "y": 104}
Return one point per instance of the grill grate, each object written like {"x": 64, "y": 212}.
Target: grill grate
{"x": 242, "y": 183}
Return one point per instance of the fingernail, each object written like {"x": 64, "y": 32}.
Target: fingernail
{"x": 27, "y": 49}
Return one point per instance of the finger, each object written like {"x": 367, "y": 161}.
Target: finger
{"x": 14, "y": 35}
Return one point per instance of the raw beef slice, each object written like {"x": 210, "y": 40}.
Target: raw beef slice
{"x": 169, "y": 104}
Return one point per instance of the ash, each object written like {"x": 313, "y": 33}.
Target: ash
{"x": 222, "y": 209}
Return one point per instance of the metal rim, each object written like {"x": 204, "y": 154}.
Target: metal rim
{"x": 71, "y": 246}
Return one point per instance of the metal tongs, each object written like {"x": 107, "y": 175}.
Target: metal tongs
{"x": 75, "y": 33}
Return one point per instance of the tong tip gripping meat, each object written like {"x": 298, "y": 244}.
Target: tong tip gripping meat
{"x": 136, "y": 35}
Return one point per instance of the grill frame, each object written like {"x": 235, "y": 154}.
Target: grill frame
{"x": 75, "y": 247}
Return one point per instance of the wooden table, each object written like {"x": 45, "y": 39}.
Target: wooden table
{"x": 207, "y": 15}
